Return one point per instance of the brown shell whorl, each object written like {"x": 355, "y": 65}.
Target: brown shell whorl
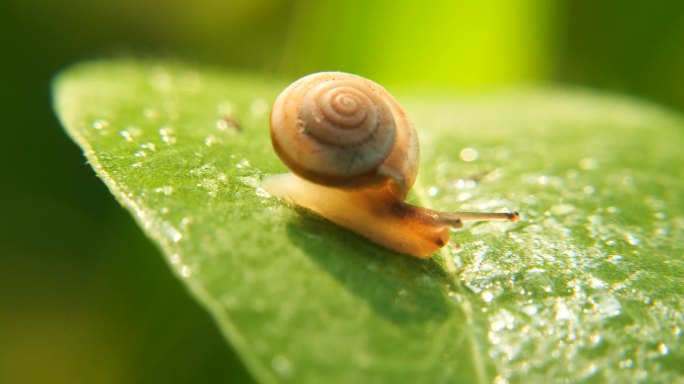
{"x": 340, "y": 129}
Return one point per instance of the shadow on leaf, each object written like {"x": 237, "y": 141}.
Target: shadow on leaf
{"x": 400, "y": 288}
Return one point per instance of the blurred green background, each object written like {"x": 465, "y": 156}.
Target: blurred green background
{"x": 85, "y": 298}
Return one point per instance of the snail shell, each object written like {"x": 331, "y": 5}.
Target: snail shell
{"x": 354, "y": 156}
{"x": 338, "y": 129}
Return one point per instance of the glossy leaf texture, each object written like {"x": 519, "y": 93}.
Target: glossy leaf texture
{"x": 587, "y": 287}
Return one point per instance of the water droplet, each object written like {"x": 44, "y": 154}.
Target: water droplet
{"x": 167, "y": 190}
{"x": 134, "y": 131}
{"x": 262, "y": 192}
{"x": 596, "y": 283}
{"x": 595, "y": 339}
{"x": 242, "y": 164}
{"x": 175, "y": 259}
{"x": 136, "y": 165}
{"x": 615, "y": 259}
{"x": 221, "y": 124}
{"x": 172, "y": 232}
{"x": 487, "y": 296}
{"x": 502, "y": 320}
{"x": 631, "y": 240}
{"x": 469, "y": 154}
{"x": 126, "y": 135}
{"x": 606, "y": 306}
{"x": 150, "y": 146}
{"x": 204, "y": 169}
{"x": 210, "y": 140}
{"x": 456, "y": 259}
{"x": 249, "y": 181}
{"x": 166, "y": 134}
{"x": 281, "y": 365}
{"x": 465, "y": 183}
{"x": 660, "y": 232}
{"x": 662, "y": 348}
{"x": 626, "y": 364}
{"x": 563, "y": 312}
{"x": 473, "y": 287}
{"x": 530, "y": 310}
{"x": 433, "y": 191}
{"x": 185, "y": 271}
{"x": 480, "y": 250}
{"x": 259, "y": 107}
{"x": 100, "y": 124}
{"x": 211, "y": 185}
{"x": 463, "y": 196}
{"x": 588, "y": 164}
{"x": 562, "y": 209}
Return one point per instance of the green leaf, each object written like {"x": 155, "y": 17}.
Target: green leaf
{"x": 588, "y": 286}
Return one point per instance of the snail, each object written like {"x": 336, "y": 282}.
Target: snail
{"x": 354, "y": 155}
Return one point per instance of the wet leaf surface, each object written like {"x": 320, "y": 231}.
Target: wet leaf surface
{"x": 587, "y": 287}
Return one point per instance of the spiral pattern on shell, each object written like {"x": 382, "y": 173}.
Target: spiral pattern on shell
{"x": 336, "y": 128}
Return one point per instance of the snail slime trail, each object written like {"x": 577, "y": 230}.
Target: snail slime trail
{"x": 354, "y": 156}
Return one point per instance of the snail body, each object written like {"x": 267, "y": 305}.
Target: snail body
{"x": 354, "y": 156}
